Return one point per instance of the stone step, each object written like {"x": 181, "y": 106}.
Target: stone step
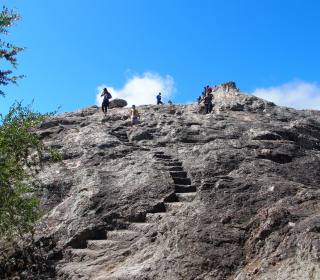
{"x": 174, "y": 206}
{"x": 122, "y": 235}
{"x": 141, "y": 227}
{"x": 155, "y": 217}
{"x": 123, "y": 138}
{"x": 101, "y": 244}
{"x": 162, "y": 156}
{"x": 165, "y": 162}
{"x": 184, "y": 188}
{"x": 178, "y": 174}
{"x": 119, "y": 128}
{"x": 181, "y": 181}
{"x": 173, "y": 163}
{"x": 79, "y": 255}
{"x": 175, "y": 168}
{"x": 186, "y": 197}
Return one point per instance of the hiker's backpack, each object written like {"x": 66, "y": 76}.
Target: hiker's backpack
{"x": 109, "y": 96}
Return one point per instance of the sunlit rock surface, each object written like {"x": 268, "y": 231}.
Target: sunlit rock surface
{"x": 230, "y": 195}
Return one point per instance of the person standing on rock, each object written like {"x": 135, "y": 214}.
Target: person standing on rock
{"x": 135, "y": 116}
{"x": 208, "y": 102}
{"x": 159, "y": 99}
{"x": 105, "y": 103}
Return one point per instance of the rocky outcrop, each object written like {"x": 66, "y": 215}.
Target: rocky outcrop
{"x": 229, "y": 195}
{"x": 117, "y": 103}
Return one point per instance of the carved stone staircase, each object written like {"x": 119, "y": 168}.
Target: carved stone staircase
{"x": 116, "y": 245}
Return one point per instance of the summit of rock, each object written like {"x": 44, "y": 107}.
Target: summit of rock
{"x": 229, "y": 195}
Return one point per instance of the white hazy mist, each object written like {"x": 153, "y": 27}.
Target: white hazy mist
{"x": 297, "y": 94}
{"x": 141, "y": 89}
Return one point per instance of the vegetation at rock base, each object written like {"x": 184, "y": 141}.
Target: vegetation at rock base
{"x": 20, "y": 148}
{"x": 20, "y": 157}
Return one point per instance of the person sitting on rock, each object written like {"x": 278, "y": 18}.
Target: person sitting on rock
{"x": 159, "y": 99}
{"x": 215, "y": 88}
{"x": 135, "y": 116}
{"x": 208, "y": 102}
{"x": 106, "y": 97}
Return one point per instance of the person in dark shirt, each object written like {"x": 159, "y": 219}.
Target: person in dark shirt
{"x": 105, "y": 103}
{"x": 208, "y": 102}
{"x": 159, "y": 99}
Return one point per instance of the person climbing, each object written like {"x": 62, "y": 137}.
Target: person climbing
{"x": 204, "y": 92}
{"x": 159, "y": 99}
{"x": 171, "y": 106}
{"x": 135, "y": 116}
{"x": 105, "y": 103}
{"x": 208, "y": 102}
{"x": 199, "y": 99}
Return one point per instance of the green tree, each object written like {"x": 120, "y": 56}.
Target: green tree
{"x": 20, "y": 158}
{"x": 20, "y": 150}
{"x": 8, "y": 51}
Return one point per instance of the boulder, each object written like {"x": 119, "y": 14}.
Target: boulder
{"x": 117, "y": 103}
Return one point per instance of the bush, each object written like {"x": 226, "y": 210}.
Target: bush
{"x": 20, "y": 158}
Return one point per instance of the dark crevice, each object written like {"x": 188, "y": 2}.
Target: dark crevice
{"x": 171, "y": 198}
{"x": 181, "y": 181}
{"x": 158, "y": 208}
{"x": 278, "y": 158}
{"x": 80, "y": 240}
{"x": 138, "y": 218}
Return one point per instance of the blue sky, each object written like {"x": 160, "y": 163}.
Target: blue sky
{"x": 75, "y": 46}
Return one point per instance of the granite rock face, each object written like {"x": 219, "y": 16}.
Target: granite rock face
{"x": 229, "y": 195}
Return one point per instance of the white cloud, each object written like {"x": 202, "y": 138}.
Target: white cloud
{"x": 141, "y": 89}
{"x": 297, "y": 94}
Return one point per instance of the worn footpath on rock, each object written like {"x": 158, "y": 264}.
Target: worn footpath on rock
{"x": 229, "y": 195}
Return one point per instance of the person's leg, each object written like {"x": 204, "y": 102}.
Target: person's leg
{"x": 207, "y": 108}
{"x": 104, "y": 107}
